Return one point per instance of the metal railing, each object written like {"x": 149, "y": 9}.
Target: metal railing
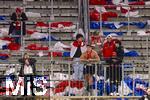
{"x": 135, "y": 79}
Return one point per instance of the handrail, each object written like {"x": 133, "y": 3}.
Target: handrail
{"x": 101, "y": 62}
{"x": 74, "y": 97}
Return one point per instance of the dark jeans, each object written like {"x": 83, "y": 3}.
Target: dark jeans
{"x": 28, "y": 78}
{"x": 89, "y": 69}
{"x": 92, "y": 69}
{"x": 114, "y": 73}
{"x": 17, "y": 38}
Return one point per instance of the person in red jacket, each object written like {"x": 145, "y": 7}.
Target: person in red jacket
{"x": 108, "y": 51}
{"x": 113, "y": 53}
{"x": 108, "y": 48}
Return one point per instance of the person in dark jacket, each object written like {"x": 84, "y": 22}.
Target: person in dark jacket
{"x": 18, "y": 19}
{"x": 119, "y": 51}
{"x": 147, "y": 96}
{"x": 27, "y": 71}
{"x": 117, "y": 61}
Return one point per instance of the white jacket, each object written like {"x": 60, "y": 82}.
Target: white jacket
{"x": 74, "y": 49}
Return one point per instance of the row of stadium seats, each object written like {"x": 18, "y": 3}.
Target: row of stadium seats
{"x": 126, "y": 40}
{"x": 133, "y": 42}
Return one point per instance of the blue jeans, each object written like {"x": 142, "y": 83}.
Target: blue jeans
{"x": 78, "y": 69}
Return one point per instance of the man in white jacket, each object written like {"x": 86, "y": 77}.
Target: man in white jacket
{"x": 77, "y": 48}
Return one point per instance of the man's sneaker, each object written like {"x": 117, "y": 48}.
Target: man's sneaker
{"x": 111, "y": 94}
{"x": 116, "y": 94}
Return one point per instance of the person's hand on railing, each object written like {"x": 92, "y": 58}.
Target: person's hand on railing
{"x": 93, "y": 60}
{"x": 84, "y": 60}
{"x": 114, "y": 60}
{"x": 89, "y": 61}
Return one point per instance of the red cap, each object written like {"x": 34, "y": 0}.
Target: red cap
{"x": 18, "y": 10}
